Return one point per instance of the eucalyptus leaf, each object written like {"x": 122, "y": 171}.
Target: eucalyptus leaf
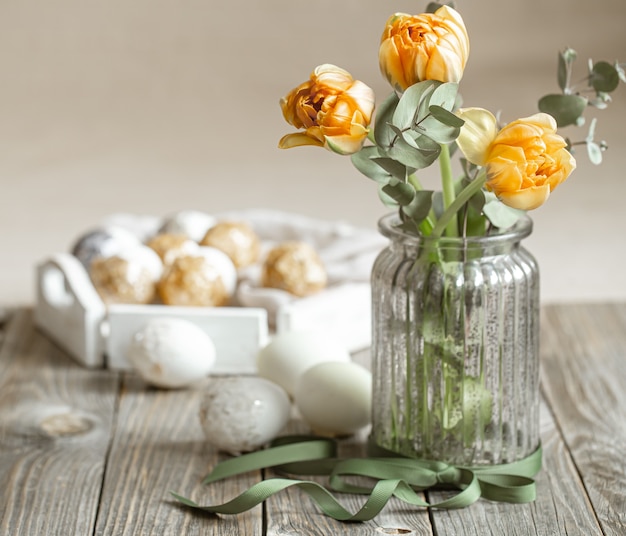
{"x": 499, "y": 214}
{"x": 409, "y": 226}
{"x": 592, "y": 130}
{"x": 439, "y": 132}
{"x": 438, "y": 204}
{"x": 604, "y": 77}
{"x": 365, "y": 161}
{"x": 401, "y": 192}
{"x": 432, "y": 7}
{"x": 562, "y": 71}
{"x": 407, "y": 111}
{"x": 382, "y": 133}
{"x": 412, "y": 156}
{"x": 566, "y": 109}
{"x": 446, "y": 117}
{"x": 475, "y": 222}
{"x": 420, "y": 206}
{"x": 444, "y": 95}
{"x": 478, "y": 200}
{"x": 386, "y": 199}
{"x": 394, "y": 168}
{"x": 594, "y": 151}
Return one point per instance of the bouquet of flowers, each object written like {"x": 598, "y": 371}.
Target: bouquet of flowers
{"x": 441, "y": 334}
{"x": 507, "y": 169}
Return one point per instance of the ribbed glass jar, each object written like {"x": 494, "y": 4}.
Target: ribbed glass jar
{"x": 455, "y": 346}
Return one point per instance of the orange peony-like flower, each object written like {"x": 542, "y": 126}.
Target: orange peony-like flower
{"x": 333, "y": 109}
{"x": 525, "y": 161}
{"x": 430, "y": 46}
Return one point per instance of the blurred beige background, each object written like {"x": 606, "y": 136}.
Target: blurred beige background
{"x": 152, "y": 106}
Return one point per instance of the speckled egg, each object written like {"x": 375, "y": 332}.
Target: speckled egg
{"x": 102, "y": 242}
{"x": 170, "y": 246}
{"x": 235, "y": 238}
{"x": 295, "y": 267}
{"x": 129, "y": 276}
{"x": 240, "y": 414}
{"x": 206, "y": 278}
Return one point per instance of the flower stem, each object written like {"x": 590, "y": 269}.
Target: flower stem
{"x": 451, "y": 211}
{"x": 447, "y": 187}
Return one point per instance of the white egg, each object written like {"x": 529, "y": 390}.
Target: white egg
{"x": 290, "y": 354}
{"x": 240, "y": 414}
{"x": 171, "y": 352}
{"x": 335, "y": 398}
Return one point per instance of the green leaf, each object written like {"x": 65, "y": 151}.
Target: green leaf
{"x": 438, "y": 204}
{"x": 401, "y": 192}
{"x": 478, "y": 200}
{"x": 446, "y": 117}
{"x": 594, "y": 151}
{"x": 604, "y": 77}
{"x": 445, "y": 95}
{"x": 561, "y": 72}
{"x": 439, "y": 123}
{"x": 592, "y": 130}
{"x": 566, "y": 58}
{"x": 408, "y": 110}
{"x": 499, "y": 214}
{"x": 566, "y": 109}
{"x": 417, "y": 153}
{"x": 418, "y": 209}
{"x": 386, "y": 199}
{"x": 365, "y": 162}
{"x": 394, "y": 168}
{"x": 439, "y": 132}
{"x": 382, "y": 133}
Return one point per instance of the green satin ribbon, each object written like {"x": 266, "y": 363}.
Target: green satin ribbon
{"x": 395, "y": 476}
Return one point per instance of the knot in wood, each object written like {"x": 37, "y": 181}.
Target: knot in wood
{"x": 65, "y": 424}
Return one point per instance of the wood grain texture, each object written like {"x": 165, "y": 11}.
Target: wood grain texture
{"x": 294, "y": 513}
{"x": 55, "y": 424}
{"x": 561, "y": 506}
{"x": 584, "y": 378}
{"x": 95, "y": 452}
{"x": 159, "y": 446}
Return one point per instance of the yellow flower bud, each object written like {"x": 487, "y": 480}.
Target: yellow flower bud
{"x": 430, "y": 46}
{"x": 333, "y": 109}
{"x": 525, "y": 160}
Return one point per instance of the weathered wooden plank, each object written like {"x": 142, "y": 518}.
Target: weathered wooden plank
{"x": 561, "y": 506}
{"x": 293, "y": 512}
{"x": 159, "y": 446}
{"x": 584, "y": 374}
{"x": 55, "y": 426}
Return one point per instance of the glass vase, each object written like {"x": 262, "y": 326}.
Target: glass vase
{"x": 455, "y": 346}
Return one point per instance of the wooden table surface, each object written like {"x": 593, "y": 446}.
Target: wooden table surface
{"x": 95, "y": 452}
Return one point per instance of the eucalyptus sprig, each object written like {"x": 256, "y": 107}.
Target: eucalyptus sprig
{"x": 410, "y": 134}
{"x": 569, "y": 106}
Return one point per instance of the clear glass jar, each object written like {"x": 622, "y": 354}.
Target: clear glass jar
{"x": 455, "y": 346}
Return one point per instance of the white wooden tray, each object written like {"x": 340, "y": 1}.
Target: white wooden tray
{"x": 70, "y": 311}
